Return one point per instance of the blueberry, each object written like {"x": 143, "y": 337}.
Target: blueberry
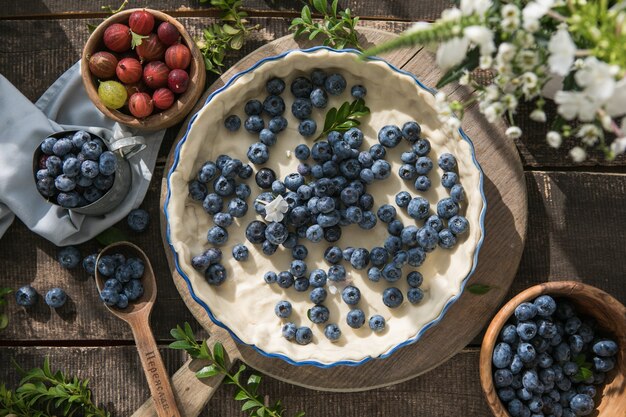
{"x": 392, "y": 297}
{"x": 605, "y": 348}
{"x": 64, "y": 183}
{"x": 318, "y": 314}
{"x": 525, "y": 311}
{"x": 391, "y": 273}
{"x": 232, "y": 122}
{"x": 253, "y": 108}
{"x": 289, "y": 331}
{"x": 214, "y": 275}
{"x": 237, "y": 207}
{"x": 47, "y": 145}
{"x": 447, "y": 208}
{"x": 572, "y": 325}
{"x": 547, "y": 329}
{"x": 546, "y": 306}
{"x": 335, "y": 84}
{"x": 570, "y": 368}
{"x": 245, "y": 172}
{"x": 268, "y": 248}
{"x": 415, "y": 295}
{"x": 122, "y": 273}
{"x": 254, "y": 124}
{"x": 332, "y": 332}
{"x": 62, "y": 146}
{"x": 414, "y": 279}
{"x": 274, "y": 105}
{"x": 536, "y": 405}
{"x": 113, "y": 284}
{"x": 71, "y": 167}
{"x": 351, "y": 295}
{"x": 321, "y": 151}
{"x": 458, "y": 225}
{"x": 302, "y": 152}
{"x": 304, "y": 169}
{"x": 301, "y": 87}
{"x": 275, "y": 86}
{"x": 358, "y": 91}
{"x": 56, "y": 297}
{"x": 68, "y": 200}
{"x": 110, "y": 296}
{"x": 283, "y": 309}
{"x": 270, "y": 277}
{"x": 365, "y": 159}
{"x": 138, "y": 220}
{"x": 530, "y": 380}
{"x": 212, "y": 204}
{"x": 381, "y": 169}
{"x": 54, "y": 165}
{"x": 589, "y": 390}
{"x": 526, "y": 352}
{"x": 418, "y": 208}
{"x": 502, "y": 378}
{"x": 69, "y": 257}
{"x": 586, "y": 332}
{"x": 389, "y": 136}
{"x": 347, "y": 253}
{"x": 223, "y": 219}
{"x": 393, "y": 244}
{"x": 422, "y": 183}
{"x": 355, "y": 318}
{"x": 319, "y": 98}
{"x": 337, "y": 273}
{"x": 374, "y": 274}
{"x": 562, "y": 353}
{"x": 354, "y": 138}
{"x": 315, "y": 233}
{"x": 299, "y": 252}
{"x": 276, "y": 233}
{"x": 408, "y": 236}
{"x": 92, "y": 150}
{"x": 411, "y": 131}
{"x": 137, "y": 266}
{"x": 582, "y": 404}
{"x": 515, "y": 407}
{"x": 423, "y": 165}
{"x": 564, "y": 310}
{"x": 457, "y": 193}
{"x": 285, "y": 279}
{"x": 400, "y": 259}
{"x": 333, "y": 255}
{"x": 506, "y": 394}
{"x": 265, "y": 177}
{"x": 304, "y": 335}
{"x": 103, "y": 182}
{"x": 89, "y": 263}
{"x": 122, "y": 301}
{"x": 379, "y": 256}
{"x": 240, "y": 252}
{"x": 377, "y": 323}
{"x": 545, "y": 360}
{"x": 293, "y": 181}
{"x": 318, "y": 294}
{"x": 447, "y": 162}
{"x": 107, "y": 163}
{"x": 217, "y": 235}
{"x": 207, "y": 172}
{"x": 526, "y": 330}
{"x": 603, "y": 364}
{"x": 258, "y": 153}
{"x": 278, "y": 124}
{"x": 427, "y": 238}
{"x": 26, "y": 296}
{"x": 502, "y": 355}
{"x": 416, "y": 256}
{"x": 516, "y": 364}
{"x": 318, "y": 77}
{"x": 386, "y": 213}
{"x": 197, "y": 190}
{"x": 354, "y": 214}
{"x": 402, "y": 199}
{"x": 366, "y": 202}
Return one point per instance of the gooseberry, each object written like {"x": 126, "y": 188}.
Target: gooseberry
{"x": 178, "y": 81}
{"x": 168, "y": 34}
{"x": 141, "y": 22}
{"x": 163, "y": 98}
{"x": 140, "y": 105}
{"x": 151, "y": 48}
{"x": 177, "y": 56}
{"x": 129, "y": 70}
{"x": 117, "y": 37}
{"x": 102, "y": 64}
{"x": 112, "y": 94}
{"x": 155, "y": 74}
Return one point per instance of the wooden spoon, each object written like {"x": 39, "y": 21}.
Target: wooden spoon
{"x": 137, "y": 315}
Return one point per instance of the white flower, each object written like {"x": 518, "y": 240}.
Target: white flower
{"x": 529, "y": 79}
{"x": 481, "y": 36}
{"x": 479, "y": 7}
{"x": 588, "y": 133}
{"x": 492, "y": 93}
{"x": 538, "y": 115}
{"x": 452, "y": 52}
{"x": 606, "y": 121}
{"x": 275, "y": 210}
{"x": 574, "y": 104}
{"x": 562, "y": 50}
{"x": 578, "y": 154}
{"x": 509, "y": 101}
{"x": 506, "y": 52}
{"x": 534, "y": 11}
{"x": 451, "y": 14}
{"x": 493, "y": 112}
{"x": 453, "y": 124}
{"x": 527, "y": 59}
{"x": 485, "y": 62}
{"x": 465, "y": 78}
{"x": 509, "y": 11}
{"x": 554, "y": 139}
{"x": 418, "y": 26}
{"x": 509, "y": 25}
{"x": 513, "y": 132}
{"x": 618, "y": 146}
{"x": 597, "y": 77}
{"x": 616, "y": 105}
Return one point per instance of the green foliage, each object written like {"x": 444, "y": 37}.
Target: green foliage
{"x": 479, "y": 289}
{"x": 111, "y": 235}
{"x": 229, "y": 35}
{"x": 4, "y": 317}
{"x": 136, "y": 40}
{"x": 338, "y": 27}
{"x": 43, "y": 393}
{"x": 584, "y": 367}
{"x": 344, "y": 118}
{"x": 108, "y": 9}
{"x": 253, "y": 402}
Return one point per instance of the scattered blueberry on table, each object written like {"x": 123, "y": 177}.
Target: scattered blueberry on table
{"x": 26, "y": 296}
{"x": 56, "y": 298}
{"x": 549, "y": 359}
{"x": 138, "y": 220}
{"x": 326, "y": 194}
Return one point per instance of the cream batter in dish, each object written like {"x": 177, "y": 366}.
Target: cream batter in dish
{"x": 244, "y": 303}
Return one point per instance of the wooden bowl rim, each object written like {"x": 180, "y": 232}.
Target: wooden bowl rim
{"x": 567, "y": 289}
{"x": 163, "y": 119}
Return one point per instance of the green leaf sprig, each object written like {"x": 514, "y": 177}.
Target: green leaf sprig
{"x": 43, "y": 393}
{"x": 338, "y": 27}
{"x": 108, "y": 9}
{"x": 254, "y": 403}
{"x": 4, "y": 317}
{"x": 229, "y": 35}
{"x": 344, "y": 118}
{"x": 479, "y": 289}
{"x": 584, "y": 368}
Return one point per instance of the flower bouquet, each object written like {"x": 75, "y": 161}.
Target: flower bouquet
{"x": 573, "y": 52}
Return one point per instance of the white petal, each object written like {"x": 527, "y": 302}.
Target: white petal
{"x": 619, "y": 146}
{"x": 578, "y": 154}
{"x": 616, "y": 104}
{"x": 452, "y": 52}
{"x": 554, "y": 139}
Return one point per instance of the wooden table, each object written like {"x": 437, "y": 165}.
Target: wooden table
{"x": 576, "y": 218}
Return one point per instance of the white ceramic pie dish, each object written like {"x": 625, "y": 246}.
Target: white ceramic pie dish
{"x": 244, "y": 304}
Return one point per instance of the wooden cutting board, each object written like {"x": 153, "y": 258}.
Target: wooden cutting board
{"x": 505, "y": 229}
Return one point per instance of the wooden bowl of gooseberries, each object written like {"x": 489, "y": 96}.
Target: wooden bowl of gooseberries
{"x": 141, "y": 68}
{"x": 609, "y": 316}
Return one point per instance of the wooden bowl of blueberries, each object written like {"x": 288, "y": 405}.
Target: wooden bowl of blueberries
{"x": 556, "y": 349}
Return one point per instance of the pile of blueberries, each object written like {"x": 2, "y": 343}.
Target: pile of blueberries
{"x": 75, "y": 170}
{"x": 550, "y": 360}
{"x": 327, "y": 193}
{"x": 123, "y": 282}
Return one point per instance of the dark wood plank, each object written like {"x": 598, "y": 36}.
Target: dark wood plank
{"x": 573, "y": 233}
{"x": 117, "y": 381}
{"x": 397, "y": 10}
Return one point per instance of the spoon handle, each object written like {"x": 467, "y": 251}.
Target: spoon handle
{"x": 153, "y": 367}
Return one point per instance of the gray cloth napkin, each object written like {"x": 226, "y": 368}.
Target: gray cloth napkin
{"x": 23, "y": 125}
